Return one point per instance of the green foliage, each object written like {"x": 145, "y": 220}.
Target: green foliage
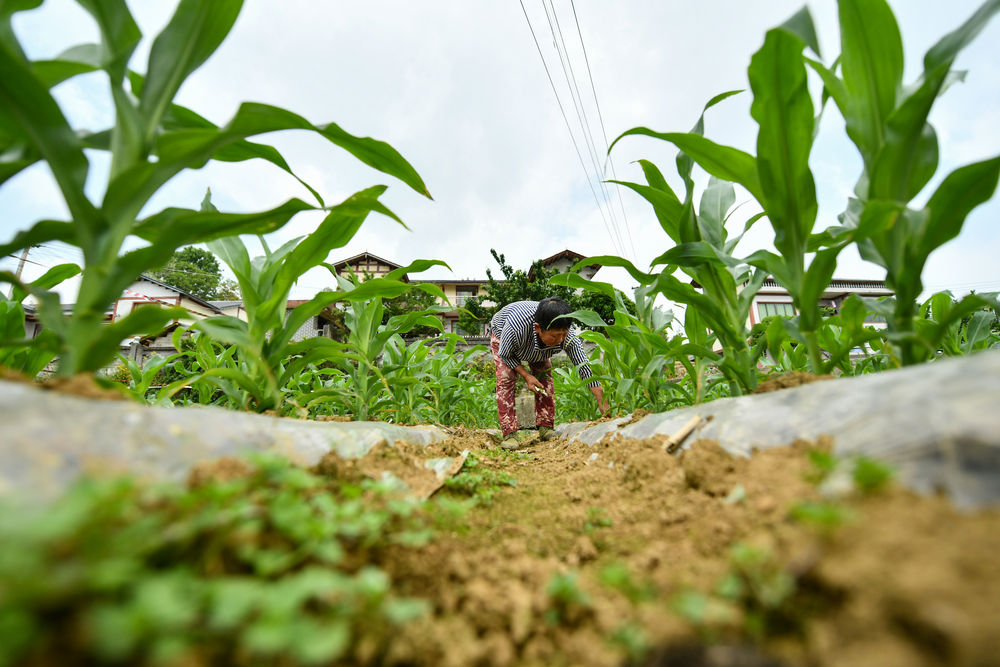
{"x": 151, "y": 142}
{"x": 618, "y": 577}
{"x": 886, "y": 120}
{"x": 275, "y": 563}
{"x": 17, "y": 352}
{"x": 532, "y": 285}
{"x": 825, "y": 517}
{"x": 192, "y": 270}
{"x": 568, "y": 603}
{"x": 362, "y": 384}
{"x": 478, "y": 481}
{"x": 871, "y": 476}
{"x": 597, "y": 518}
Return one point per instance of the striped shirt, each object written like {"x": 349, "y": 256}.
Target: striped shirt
{"x": 514, "y": 326}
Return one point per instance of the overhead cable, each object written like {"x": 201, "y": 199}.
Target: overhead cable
{"x": 569, "y": 129}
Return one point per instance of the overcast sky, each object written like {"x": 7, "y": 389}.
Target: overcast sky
{"x": 459, "y": 88}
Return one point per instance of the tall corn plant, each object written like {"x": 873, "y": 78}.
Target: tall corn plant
{"x": 365, "y": 384}
{"x": 778, "y": 177}
{"x": 887, "y": 122}
{"x": 268, "y": 351}
{"x": 151, "y": 141}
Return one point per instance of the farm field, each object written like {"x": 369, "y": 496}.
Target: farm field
{"x": 462, "y": 552}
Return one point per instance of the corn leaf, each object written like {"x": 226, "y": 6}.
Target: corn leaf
{"x": 43, "y": 231}
{"x": 28, "y": 111}
{"x": 961, "y": 191}
{"x": 194, "y": 32}
{"x": 725, "y": 162}
{"x": 105, "y": 345}
{"x": 119, "y": 33}
{"x": 181, "y": 226}
{"x": 783, "y": 109}
{"x": 872, "y": 67}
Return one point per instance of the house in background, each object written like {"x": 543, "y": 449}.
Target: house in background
{"x": 147, "y": 291}
{"x": 773, "y": 299}
{"x": 366, "y": 264}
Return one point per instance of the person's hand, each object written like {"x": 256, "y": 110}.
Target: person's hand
{"x": 534, "y": 385}
{"x": 604, "y": 407}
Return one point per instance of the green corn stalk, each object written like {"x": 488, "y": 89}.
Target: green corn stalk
{"x": 269, "y": 358}
{"x": 151, "y": 142}
{"x": 887, "y": 122}
{"x": 366, "y": 386}
{"x": 778, "y": 177}
{"x": 704, "y": 251}
{"x": 29, "y": 356}
{"x": 637, "y": 351}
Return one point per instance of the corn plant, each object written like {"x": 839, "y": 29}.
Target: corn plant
{"x": 704, "y": 251}
{"x": 887, "y": 122}
{"x": 28, "y": 356}
{"x": 365, "y": 386}
{"x": 637, "y": 351}
{"x": 270, "y": 359}
{"x": 151, "y": 142}
{"x": 429, "y": 380}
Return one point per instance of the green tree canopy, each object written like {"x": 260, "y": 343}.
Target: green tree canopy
{"x": 194, "y": 271}
{"x": 517, "y": 286}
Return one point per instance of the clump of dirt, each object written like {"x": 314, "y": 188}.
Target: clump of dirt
{"x": 225, "y": 469}
{"x": 586, "y": 560}
{"x": 82, "y": 385}
{"x": 788, "y": 380}
{"x": 636, "y": 416}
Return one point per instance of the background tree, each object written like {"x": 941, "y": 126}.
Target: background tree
{"x": 228, "y": 290}
{"x": 409, "y": 302}
{"x": 517, "y": 286}
{"x": 192, "y": 270}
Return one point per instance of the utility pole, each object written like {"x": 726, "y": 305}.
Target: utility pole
{"x": 22, "y": 260}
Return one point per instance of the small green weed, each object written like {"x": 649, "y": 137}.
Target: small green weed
{"x": 632, "y": 639}
{"x": 825, "y": 517}
{"x": 871, "y": 476}
{"x": 568, "y": 603}
{"x": 597, "y": 518}
{"x": 617, "y": 576}
{"x": 823, "y": 465}
{"x": 478, "y": 481}
{"x": 276, "y": 563}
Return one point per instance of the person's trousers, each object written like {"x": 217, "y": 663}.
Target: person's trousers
{"x": 545, "y": 404}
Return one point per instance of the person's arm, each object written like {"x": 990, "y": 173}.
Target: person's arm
{"x": 602, "y": 405}
{"x": 574, "y": 349}
{"x": 505, "y": 351}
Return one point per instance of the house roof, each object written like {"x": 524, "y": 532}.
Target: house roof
{"x": 181, "y": 292}
{"x": 342, "y": 264}
{"x": 562, "y": 254}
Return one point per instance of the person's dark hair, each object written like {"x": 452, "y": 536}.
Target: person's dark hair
{"x": 548, "y": 310}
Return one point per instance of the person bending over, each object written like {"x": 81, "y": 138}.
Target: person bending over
{"x": 524, "y": 331}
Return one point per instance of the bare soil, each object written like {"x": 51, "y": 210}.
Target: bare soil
{"x": 899, "y": 579}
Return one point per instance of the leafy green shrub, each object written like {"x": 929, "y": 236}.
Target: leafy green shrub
{"x": 273, "y": 562}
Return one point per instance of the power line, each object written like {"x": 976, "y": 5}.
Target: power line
{"x": 568, "y": 128}
{"x": 581, "y": 113}
{"x": 604, "y": 132}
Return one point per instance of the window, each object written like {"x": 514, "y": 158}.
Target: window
{"x": 769, "y": 309}
{"x": 462, "y": 295}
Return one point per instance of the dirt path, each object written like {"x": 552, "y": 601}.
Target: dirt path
{"x": 600, "y": 555}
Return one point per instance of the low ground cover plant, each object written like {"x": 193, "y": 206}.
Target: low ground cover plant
{"x": 251, "y": 562}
